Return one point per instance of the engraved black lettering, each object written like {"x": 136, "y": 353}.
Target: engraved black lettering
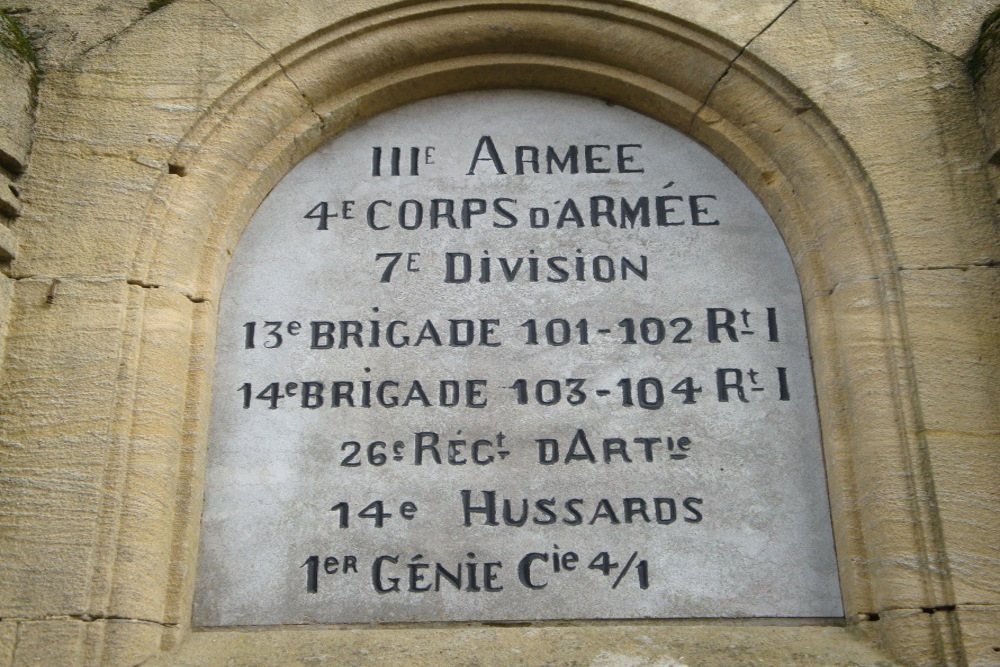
{"x": 427, "y": 441}
{"x": 342, "y": 394}
{"x": 696, "y": 210}
{"x": 486, "y": 142}
{"x": 579, "y": 448}
{"x": 666, "y": 510}
{"x": 471, "y": 207}
{"x": 488, "y": 510}
{"x": 571, "y": 507}
{"x": 624, "y": 159}
{"x": 569, "y": 159}
{"x": 321, "y": 337}
{"x": 724, "y": 385}
{"x": 350, "y": 329}
{"x": 378, "y": 581}
{"x": 604, "y": 511}
{"x": 524, "y": 570}
{"x": 615, "y": 447}
{"x": 504, "y": 213}
{"x": 635, "y": 507}
{"x": 370, "y": 215}
{"x": 726, "y": 324}
{"x": 525, "y": 155}
{"x": 442, "y": 210}
{"x": 544, "y": 505}
{"x": 695, "y": 513}
{"x": 458, "y": 267}
{"x": 662, "y": 212}
{"x": 602, "y": 208}
{"x": 592, "y": 160}
{"x": 637, "y": 212}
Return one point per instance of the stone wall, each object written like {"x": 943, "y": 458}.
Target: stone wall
{"x": 18, "y": 71}
{"x": 161, "y": 126}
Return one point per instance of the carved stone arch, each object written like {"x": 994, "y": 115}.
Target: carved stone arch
{"x": 765, "y": 129}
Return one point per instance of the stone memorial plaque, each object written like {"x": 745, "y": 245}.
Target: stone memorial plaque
{"x": 512, "y": 355}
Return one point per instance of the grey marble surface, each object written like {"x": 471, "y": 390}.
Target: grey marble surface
{"x": 511, "y": 478}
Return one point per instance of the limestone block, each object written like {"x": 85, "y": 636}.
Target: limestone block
{"x": 670, "y": 645}
{"x": 91, "y": 200}
{"x": 90, "y": 481}
{"x": 8, "y": 638}
{"x": 69, "y": 641}
{"x": 778, "y": 145}
{"x": 276, "y": 24}
{"x": 67, "y": 30}
{"x": 471, "y": 34}
{"x": 985, "y": 69}
{"x": 10, "y": 203}
{"x": 869, "y": 465}
{"x": 6, "y": 294}
{"x": 61, "y": 369}
{"x": 157, "y": 335}
{"x": 15, "y": 112}
{"x": 922, "y": 636}
{"x": 979, "y": 628}
{"x": 8, "y": 243}
{"x": 917, "y": 137}
{"x": 952, "y": 318}
{"x": 52, "y": 642}
{"x": 951, "y": 26}
{"x": 230, "y": 175}
{"x": 112, "y": 128}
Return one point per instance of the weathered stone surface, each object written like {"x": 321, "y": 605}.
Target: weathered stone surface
{"x": 275, "y": 24}
{"x": 10, "y": 203}
{"x": 950, "y": 26}
{"x": 54, "y": 463}
{"x": 601, "y": 645}
{"x": 888, "y": 467}
{"x": 6, "y": 295}
{"x": 846, "y": 66}
{"x": 114, "y": 144}
{"x": 8, "y": 243}
{"x": 82, "y": 473}
{"x": 979, "y": 627}
{"x": 856, "y": 136}
{"x": 8, "y": 639}
{"x": 77, "y": 641}
{"x": 984, "y": 67}
{"x": 15, "y": 111}
{"x": 952, "y": 318}
{"x": 921, "y": 636}
{"x": 64, "y": 32}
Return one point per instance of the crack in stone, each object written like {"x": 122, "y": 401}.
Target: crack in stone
{"x": 729, "y": 65}
{"x": 78, "y": 59}
{"x": 274, "y": 59}
{"x": 953, "y": 267}
{"x": 941, "y": 608}
{"x": 906, "y": 32}
{"x": 88, "y": 618}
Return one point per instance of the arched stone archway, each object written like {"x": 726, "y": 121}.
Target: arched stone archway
{"x": 780, "y": 139}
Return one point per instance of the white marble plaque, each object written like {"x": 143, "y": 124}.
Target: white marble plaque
{"x": 512, "y": 355}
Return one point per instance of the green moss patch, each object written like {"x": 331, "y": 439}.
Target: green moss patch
{"x": 14, "y": 40}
